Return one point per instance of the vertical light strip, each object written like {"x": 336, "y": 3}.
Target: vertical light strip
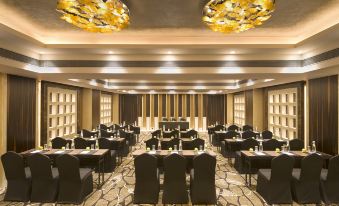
{"x": 192, "y": 110}
{"x": 160, "y": 107}
{"x": 176, "y": 105}
{"x": 183, "y": 104}
{"x": 200, "y": 110}
{"x": 168, "y": 105}
{"x": 38, "y": 112}
{"x": 144, "y": 110}
{"x": 151, "y": 103}
{"x": 3, "y": 124}
{"x": 306, "y": 118}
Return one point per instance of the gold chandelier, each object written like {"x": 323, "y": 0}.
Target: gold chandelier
{"x": 95, "y": 15}
{"x": 236, "y": 15}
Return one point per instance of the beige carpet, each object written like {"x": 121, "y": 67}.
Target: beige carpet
{"x": 118, "y": 190}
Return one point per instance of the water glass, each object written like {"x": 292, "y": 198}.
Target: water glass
{"x": 153, "y": 147}
{"x": 92, "y": 146}
{"x": 200, "y": 147}
{"x": 45, "y": 146}
{"x": 175, "y": 148}
{"x": 256, "y": 148}
{"x": 309, "y": 149}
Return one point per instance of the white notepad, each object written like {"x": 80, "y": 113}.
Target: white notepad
{"x": 152, "y": 152}
{"x": 36, "y": 151}
{"x": 59, "y": 152}
{"x": 85, "y": 152}
{"x": 288, "y": 153}
{"x": 260, "y": 153}
{"x": 174, "y": 152}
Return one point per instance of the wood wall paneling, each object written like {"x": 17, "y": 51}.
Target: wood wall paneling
{"x": 155, "y": 105}
{"x": 249, "y": 107}
{"x": 323, "y": 113}
{"x": 180, "y": 113}
{"x": 21, "y": 116}
{"x": 171, "y": 96}
{"x": 95, "y": 108}
{"x": 164, "y": 110}
{"x": 129, "y": 108}
{"x": 215, "y": 109}
{"x": 188, "y": 105}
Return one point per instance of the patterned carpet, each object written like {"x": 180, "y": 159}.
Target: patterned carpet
{"x": 118, "y": 189}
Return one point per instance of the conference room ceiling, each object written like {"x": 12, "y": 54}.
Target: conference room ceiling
{"x": 164, "y": 35}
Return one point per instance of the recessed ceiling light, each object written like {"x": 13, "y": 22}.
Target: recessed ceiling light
{"x": 169, "y": 52}
{"x": 110, "y": 52}
{"x": 268, "y": 80}
{"x": 232, "y": 52}
{"x": 191, "y": 92}
{"x": 171, "y": 91}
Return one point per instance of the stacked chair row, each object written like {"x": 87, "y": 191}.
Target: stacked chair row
{"x": 81, "y": 143}
{"x": 269, "y": 145}
{"x": 40, "y": 182}
{"x": 202, "y": 180}
{"x": 308, "y": 185}
{"x": 196, "y": 143}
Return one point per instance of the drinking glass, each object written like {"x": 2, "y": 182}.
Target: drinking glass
{"x": 200, "y": 147}
{"x": 92, "y": 147}
{"x": 175, "y": 147}
{"x": 153, "y": 147}
{"x": 256, "y": 148}
{"x": 45, "y": 147}
{"x": 309, "y": 149}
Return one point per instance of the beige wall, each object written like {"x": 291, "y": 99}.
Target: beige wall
{"x": 3, "y": 123}
{"x": 229, "y": 110}
{"x": 86, "y": 109}
{"x": 258, "y": 109}
{"x": 116, "y": 108}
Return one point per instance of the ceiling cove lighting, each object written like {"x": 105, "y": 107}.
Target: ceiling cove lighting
{"x": 236, "y": 15}
{"x": 95, "y": 15}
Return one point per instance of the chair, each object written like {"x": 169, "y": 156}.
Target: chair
{"x": 306, "y": 180}
{"x": 59, "y": 142}
{"x": 18, "y": 177}
{"x": 248, "y": 134}
{"x": 271, "y": 145}
{"x": 267, "y": 134}
{"x": 230, "y": 134}
{"x": 296, "y": 144}
{"x": 174, "y": 141}
{"x": 274, "y": 184}
{"x": 175, "y": 191}
{"x": 88, "y": 134}
{"x": 75, "y": 183}
{"x": 196, "y": 143}
{"x": 239, "y": 163}
{"x": 329, "y": 182}
{"x": 151, "y": 142}
{"x": 105, "y": 134}
{"x": 103, "y": 127}
{"x": 182, "y": 119}
{"x": 247, "y": 128}
{"x": 233, "y": 128}
{"x": 173, "y": 119}
{"x": 202, "y": 180}
{"x": 147, "y": 181}
{"x": 81, "y": 143}
{"x": 111, "y": 157}
{"x": 156, "y": 134}
{"x": 219, "y": 127}
{"x": 164, "y": 119}
{"x": 192, "y": 133}
{"x": 45, "y": 179}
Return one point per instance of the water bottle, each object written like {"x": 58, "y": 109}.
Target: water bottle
{"x": 314, "y": 148}
{"x": 180, "y": 145}
{"x": 288, "y": 146}
{"x": 260, "y": 147}
{"x": 159, "y": 146}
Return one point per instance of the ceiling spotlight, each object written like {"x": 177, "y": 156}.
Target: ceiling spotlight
{"x": 171, "y": 91}
{"x": 169, "y": 52}
{"x": 268, "y": 80}
{"x": 232, "y": 52}
{"x": 110, "y": 52}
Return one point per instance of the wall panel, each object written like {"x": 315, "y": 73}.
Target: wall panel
{"x": 323, "y": 113}
{"x": 95, "y": 108}
{"x": 21, "y": 116}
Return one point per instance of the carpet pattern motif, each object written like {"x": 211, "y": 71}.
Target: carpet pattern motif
{"x": 119, "y": 186}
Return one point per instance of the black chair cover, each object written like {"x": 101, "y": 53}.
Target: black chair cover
{"x": 247, "y": 128}
{"x": 18, "y": 177}
{"x": 233, "y": 128}
{"x": 75, "y": 183}
{"x": 45, "y": 180}
{"x": 239, "y": 163}
{"x": 306, "y": 181}
{"x": 151, "y": 142}
{"x": 88, "y": 134}
{"x": 59, "y": 142}
{"x": 296, "y": 144}
{"x": 147, "y": 185}
{"x": 156, "y": 134}
{"x": 196, "y": 143}
{"x": 248, "y": 134}
{"x": 81, "y": 143}
{"x": 271, "y": 145}
{"x": 175, "y": 191}
{"x": 267, "y": 134}
{"x": 274, "y": 184}
{"x": 202, "y": 186}
{"x": 329, "y": 182}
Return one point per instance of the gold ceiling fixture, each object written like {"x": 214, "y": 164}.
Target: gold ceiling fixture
{"x": 95, "y": 15}
{"x": 236, "y": 15}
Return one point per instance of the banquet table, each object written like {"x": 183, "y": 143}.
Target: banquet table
{"x": 86, "y": 157}
{"x": 251, "y": 156}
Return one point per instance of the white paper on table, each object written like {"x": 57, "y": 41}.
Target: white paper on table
{"x": 85, "y": 152}
{"x": 239, "y": 140}
{"x": 59, "y": 152}
{"x": 288, "y": 153}
{"x": 200, "y": 152}
{"x": 260, "y": 153}
{"x": 152, "y": 152}
{"x": 36, "y": 151}
{"x": 174, "y": 152}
